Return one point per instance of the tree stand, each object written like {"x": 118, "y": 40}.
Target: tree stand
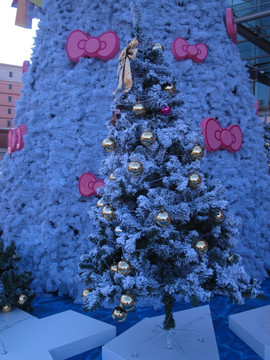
{"x": 169, "y": 330}
{"x": 171, "y": 340}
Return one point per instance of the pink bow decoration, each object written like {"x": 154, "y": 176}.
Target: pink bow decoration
{"x": 256, "y": 105}
{"x": 79, "y": 44}
{"x": 25, "y": 67}
{"x": 15, "y": 138}
{"x": 182, "y": 50}
{"x": 231, "y": 26}
{"x": 88, "y": 184}
{"x": 215, "y": 137}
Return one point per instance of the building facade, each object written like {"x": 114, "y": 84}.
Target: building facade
{"x": 253, "y": 26}
{"x": 10, "y": 86}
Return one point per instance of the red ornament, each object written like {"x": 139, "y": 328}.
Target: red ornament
{"x": 89, "y": 183}
{"x": 15, "y": 138}
{"x": 116, "y": 115}
{"x": 216, "y": 138}
{"x": 166, "y": 110}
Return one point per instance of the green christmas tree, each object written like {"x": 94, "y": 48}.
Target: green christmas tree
{"x": 15, "y": 288}
{"x": 164, "y": 231}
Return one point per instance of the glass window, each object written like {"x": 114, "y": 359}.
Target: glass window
{"x": 9, "y": 123}
{"x": 10, "y": 74}
{"x": 9, "y": 111}
{"x": 9, "y": 86}
{"x": 9, "y": 98}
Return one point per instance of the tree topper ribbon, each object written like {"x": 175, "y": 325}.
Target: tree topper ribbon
{"x": 127, "y": 54}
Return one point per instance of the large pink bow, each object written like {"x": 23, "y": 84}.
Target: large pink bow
{"x": 256, "y": 105}
{"x": 182, "y": 50}
{"x": 231, "y": 26}
{"x": 88, "y": 184}
{"x": 26, "y": 65}
{"x": 79, "y": 44}
{"x": 15, "y": 138}
{"x": 216, "y": 138}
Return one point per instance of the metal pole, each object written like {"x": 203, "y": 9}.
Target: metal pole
{"x": 256, "y": 57}
{"x": 262, "y": 69}
{"x": 250, "y": 7}
{"x": 252, "y": 37}
{"x": 252, "y": 16}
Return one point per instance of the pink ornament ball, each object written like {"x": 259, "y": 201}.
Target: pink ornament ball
{"x": 166, "y": 110}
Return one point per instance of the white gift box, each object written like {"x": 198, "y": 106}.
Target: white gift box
{"x": 57, "y": 337}
{"x": 197, "y": 319}
{"x": 253, "y": 327}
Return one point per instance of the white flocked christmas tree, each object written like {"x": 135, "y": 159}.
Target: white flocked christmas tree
{"x": 42, "y": 209}
{"x": 164, "y": 229}
{"x": 220, "y": 88}
{"x": 65, "y": 106}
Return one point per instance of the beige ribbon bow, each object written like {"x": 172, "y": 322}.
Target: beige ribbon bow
{"x": 127, "y": 54}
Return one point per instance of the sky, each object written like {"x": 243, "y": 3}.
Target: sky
{"x": 15, "y": 42}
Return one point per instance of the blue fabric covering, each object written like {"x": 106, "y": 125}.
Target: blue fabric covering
{"x": 229, "y": 345}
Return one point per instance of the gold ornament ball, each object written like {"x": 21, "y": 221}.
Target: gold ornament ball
{"x": 6, "y": 308}
{"x": 15, "y": 256}
{"x": 147, "y": 138}
{"x": 112, "y": 176}
{"x": 163, "y": 218}
{"x": 127, "y": 302}
{"x": 119, "y": 314}
{"x": 108, "y": 212}
{"x": 114, "y": 268}
{"x": 135, "y": 168}
{"x": 157, "y": 46}
{"x": 22, "y": 299}
{"x": 100, "y": 203}
{"x": 201, "y": 247}
{"x": 219, "y": 216}
{"x": 118, "y": 230}
{"x": 232, "y": 259}
{"x": 85, "y": 293}
{"x": 124, "y": 267}
{"x": 108, "y": 144}
{"x": 197, "y": 152}
{"x": 194, "y": 180}
{"x": 139, "y": 109}
{"x": 169, "y": 88}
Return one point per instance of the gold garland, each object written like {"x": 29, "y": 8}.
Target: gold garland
{"x": 127, "y": 54}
